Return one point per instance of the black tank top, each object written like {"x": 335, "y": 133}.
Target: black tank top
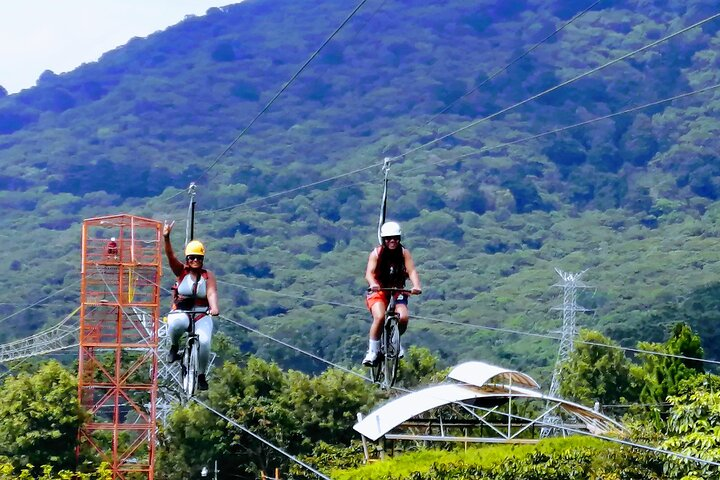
{"x": 390, "y": 270}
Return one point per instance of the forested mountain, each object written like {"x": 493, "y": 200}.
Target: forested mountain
{"x": 487, "y": 212}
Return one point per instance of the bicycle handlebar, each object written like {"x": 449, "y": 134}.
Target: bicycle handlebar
{"x": 395, "y": 290}
{"x": 195, "y": 312}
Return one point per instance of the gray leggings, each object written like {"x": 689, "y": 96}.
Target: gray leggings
{"x": 179, "y": 322}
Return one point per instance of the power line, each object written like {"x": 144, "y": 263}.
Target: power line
{"x": 372, "y": 15}
{"x": 472, "y": 124}
{"x": 286, "y": 344}
{"x": 603, "y": 437}
{"x": 570, "y": 429}
{"x": 275, "y": 97}
{"x": 510, "y": 415}
{"x": 568, "y": 127}
{"x": 479, "y": 151}
{"x": 297, "y": 349}
{"x": 515, "y": 60}
{"x": 587, "y": 73}
{"x": 39, "y": 301}
{"x": 582, "y": 432}
{"x": 420, "y": 317}
{"x": 556, "y": 87}
{"x": 284, "y": 87}
{"x": 301, "y": 187}
{"x": 258, "y": 437}
{"x": 553, "y": 337}
{"x": 545, "y": 336}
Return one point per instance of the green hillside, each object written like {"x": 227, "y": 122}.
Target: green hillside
{"x": 633, "y": 198}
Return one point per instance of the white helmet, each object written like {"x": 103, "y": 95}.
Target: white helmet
{"x": 390, "y": 229}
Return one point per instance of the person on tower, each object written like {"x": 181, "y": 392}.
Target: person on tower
{"x": 388, "y": 266}
{"x": 195, "y": 290}
{"x": 112, "y": 248}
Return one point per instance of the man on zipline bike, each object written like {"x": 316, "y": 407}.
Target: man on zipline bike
{"x": 196, "y": 291}
{"x": 389, "y": 266}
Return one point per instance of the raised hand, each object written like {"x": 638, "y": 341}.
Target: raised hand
{"x": 167, "y": 228}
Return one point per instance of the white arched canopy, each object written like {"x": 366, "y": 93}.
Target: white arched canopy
{"x": 480, "y": 374}
{"x": 478, "y": 381}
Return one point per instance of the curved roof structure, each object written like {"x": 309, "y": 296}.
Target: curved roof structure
{"x": 380, "y": 421}
{"x": 480, "y": 373}
{"x": 483, "y": 385}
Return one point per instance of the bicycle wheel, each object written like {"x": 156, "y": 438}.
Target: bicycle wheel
{"x": 376, "y": 371}
{"x": 190, "y": 368}
{"x": 392, "y": 352}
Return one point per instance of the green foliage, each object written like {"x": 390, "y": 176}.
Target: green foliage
{"x": 329, "y": 458}
{"x": 8, "y": 472}
{"x": 290, "y": 409}
{"x": 661, "y": 375}
{"x": 39, "y": 417}
{"x": 693, "y": 428}
{"x": 419, "y": 367}
{"x": 571, "y": 458}
{"x": 597, "y": 373}
{"x": 624, "y": 462}
{"x": 633, "y": 197}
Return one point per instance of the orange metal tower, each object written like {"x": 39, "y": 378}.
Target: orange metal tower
{"x": 119, "y": 315}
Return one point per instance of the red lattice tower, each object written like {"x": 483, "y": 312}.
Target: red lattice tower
{"x": 119, "y": 315}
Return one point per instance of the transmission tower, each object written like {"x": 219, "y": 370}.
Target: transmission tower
{"x": 570, "y": 283}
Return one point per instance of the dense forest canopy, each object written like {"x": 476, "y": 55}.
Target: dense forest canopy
{"x": 633, "y": 198}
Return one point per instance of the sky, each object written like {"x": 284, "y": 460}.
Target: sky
{"x": 60, "y": 35}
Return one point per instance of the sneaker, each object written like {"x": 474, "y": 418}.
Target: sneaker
{"x": 370, "y": 358}
{"x": 173, "y": 355}
{"x": 202, "y": 382}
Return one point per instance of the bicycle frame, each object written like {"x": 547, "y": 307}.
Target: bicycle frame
{"x": 189, "y": 362}
{"x": 385, "y": 369}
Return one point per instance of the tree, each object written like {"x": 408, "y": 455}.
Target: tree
{"x": 693, "y": 426}
{"x": 660, "y": 374}
{"x": 289, "y": 409}
{"x": 223, "y": 52}
{"x": 7, "y": 472}
{"x": 419, "y": 367}
{"x": 595, "y": 372}
{"x": 638, "y": 145}
{"x": 40, "y": 416}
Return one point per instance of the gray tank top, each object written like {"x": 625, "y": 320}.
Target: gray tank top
{"x": 185, "y": 288}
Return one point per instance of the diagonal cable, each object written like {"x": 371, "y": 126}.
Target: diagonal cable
{"x": 39, "y": 301}
{"x": 261, "y": 439}
{"x": 479, "y": 151}
{"x": 513, "y": 62}
{"x": 568, "y": 127}
{"x": 284, "y": 87}
{"x": 510, "y": 415}
{"x": 293, "y": 347}
{"x": 558, "y": 86}
{"x": 581, "y": 432}
{"x": 545, "y": 336}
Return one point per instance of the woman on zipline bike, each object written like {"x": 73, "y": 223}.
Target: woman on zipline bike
{"x": 389, "y": 266}
{"x": 196, "y": 291}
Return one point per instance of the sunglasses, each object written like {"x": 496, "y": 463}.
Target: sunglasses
{"x": 396, "y": 238}
{"x": 192, "y": 258}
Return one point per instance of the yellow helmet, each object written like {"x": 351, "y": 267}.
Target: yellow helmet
{"x": 195, "y": 248}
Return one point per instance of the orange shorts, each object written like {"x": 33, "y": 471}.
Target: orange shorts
{"x": 374, "y": 297}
